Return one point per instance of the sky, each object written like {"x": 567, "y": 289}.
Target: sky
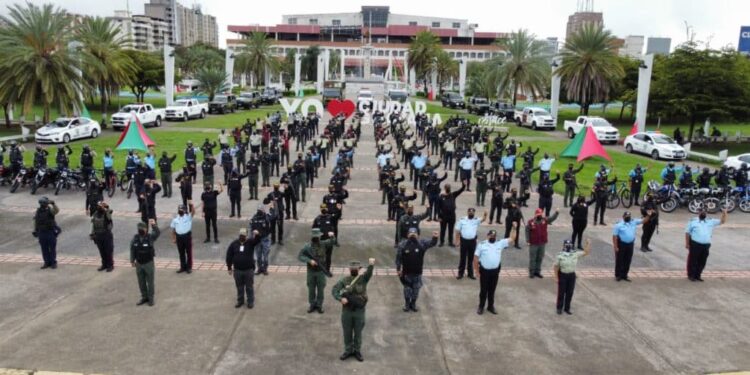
{"x": 717, "y": 21}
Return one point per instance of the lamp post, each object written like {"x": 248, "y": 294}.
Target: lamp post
{"x": 644, "y": 87}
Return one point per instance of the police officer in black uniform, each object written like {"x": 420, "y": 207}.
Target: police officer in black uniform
{"x": 290, "y": 196}
{"x": 46, "y": 230}
{"x": 234, "y": 189}
{"x": 636, "y": 182}
{"x": 185, "y": 179}
{"x": 94, "y": 195}
{"x": 276, "y": 212}
{"x": 62, "y": 159}
{"x": 191, "y": 160}
{"x": 207, "y": 167}
{"x": 101, "y": 234}
{"x": 649, "y": 227}
{"x": 210, "y": 210}
{"x": 165, "y": 169}
{"x": 325, "y": 222}
{"x": 87, "y": 162}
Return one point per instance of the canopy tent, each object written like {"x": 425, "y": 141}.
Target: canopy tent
{"x": 585, "y": 145}
{"x": 134, "y": 137}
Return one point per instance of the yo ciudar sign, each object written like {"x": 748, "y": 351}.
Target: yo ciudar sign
{"x": 347, "y": 107}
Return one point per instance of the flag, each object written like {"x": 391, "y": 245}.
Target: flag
{"x": 85, "y": 111}
{"x": 634, "y": 129}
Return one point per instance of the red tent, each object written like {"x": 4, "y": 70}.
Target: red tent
{"x": 591, "y": 146}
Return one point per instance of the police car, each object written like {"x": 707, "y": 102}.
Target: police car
{"x": 66, "y": 129}
{"x": 657, "y": 145}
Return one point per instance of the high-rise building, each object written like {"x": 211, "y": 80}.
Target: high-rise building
{"x": 165, "y": 10}
{"x": 553, "y": 45}
{"x": 144, "y": 33}
{"x": 196, "y": 27}
{"x": 658, "y": 46}
{"x": 633, "y": 47}
{"x": 578, "y": 19}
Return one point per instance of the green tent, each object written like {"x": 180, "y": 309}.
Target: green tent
{"x": 134, "y": 137}
{"x": 574, "y": 148}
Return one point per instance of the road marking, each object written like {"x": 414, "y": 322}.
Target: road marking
{"x": 592, "y": 273}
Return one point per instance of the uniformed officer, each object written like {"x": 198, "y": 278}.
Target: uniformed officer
{"x": 210, "y": 210}
{"x": 466, "y": 236}
{"x": 182, "y": 236}
{"x": 481, "y": 176}
{"x": 101, "y": 234}
{"x": 409, "y": 264}
{"x": 190, "y": 160}
{"x": 252, "y": 169}
{"x": 536, "y": 237}
{"x": 649, "y": 228}
{"x": 46, "y": 230}
{"x": 207, "y": 167}
{"x": 313, "y": 254}
{"x": 234, "y": 190}
{"x": 261, "y": 223}
{"x": 142, "y": 254}
{"x": 487, "y": 260}
{"x": 326, "y": 222}
{"x": 351, "y": 291}
{"x": 240, "y": 264}
{"x": 623, "y": 238}
{"x": 564, "y": 269}
{"x": 165, "y": 169}
{"x": 698, "y": 240}
{"x": 569, "y": 177}
{"x": 185, "y": 180}
{"x": 94, "y": 195}
{"x": 276, "y": 212}
{"x": 408, "y": 221}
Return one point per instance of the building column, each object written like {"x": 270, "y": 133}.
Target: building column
{"x": 168, "y": 73}
{"x": 298, "y": 37}
{"x": 462, "y": 63}
{"x": 229, "y": 67}
{"x": 326, "y": 65}
{"x": 555, "y": 89}
{"x": 297, "y": 71}
{"x": 320, "y": 66}
{"x": 644, "y": 88}
{"x": 450, "y": 40}
{"x": 342, "y": 58}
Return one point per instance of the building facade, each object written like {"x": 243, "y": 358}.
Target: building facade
{"x": 186, "y": 25}
{"x": 142, "y": 32}
{"x": 658, "y": 46}
{"x": 578, "y": 19}
{"x": 633, "y": 47}
{"x": 388, "y": 33}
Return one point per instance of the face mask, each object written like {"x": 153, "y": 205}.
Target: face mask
{"x": 538, "y": 217}
{"x": 627, "y": 219}
{"x": 316, "y": 239}
{"x": 471, "y": 216}
{"x": 702, "y": 216}
{"x": 243, "y": 238}
{"x": 354, "y": 272}
{"x": 181, "y": 212}
{"x": 275, "y": 188}
{"x": 100, "y": 209}
{"x": 492, "y": 239}
{"x": 142, "y": 232}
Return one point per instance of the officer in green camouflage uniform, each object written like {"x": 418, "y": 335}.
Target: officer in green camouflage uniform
{"x": 142, "y": 254}
{"x": 316, "y": 278}
{"x": 353, "y": 317}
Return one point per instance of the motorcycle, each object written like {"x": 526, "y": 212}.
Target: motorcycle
{"x": 741, "y": 195}
{"x": 5, "y": 177}
{"x": 68, "y": 178}
{"x": 43, "y": 177}
{"x": 23, "y": 178}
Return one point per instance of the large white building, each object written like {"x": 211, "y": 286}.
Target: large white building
{"x": 633, "y": 47}
{"x": 196, "y": 27}
{"x": 144, "y": 33}
{"x": 180, "y": 25}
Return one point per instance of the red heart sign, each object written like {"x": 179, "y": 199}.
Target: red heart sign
{"x": 336, "y": 107}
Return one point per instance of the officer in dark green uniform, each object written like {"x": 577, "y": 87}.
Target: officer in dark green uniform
{"x": 316, "y": 278}
{"x": 351, "y": 291}
{"x": 142, "y": 258}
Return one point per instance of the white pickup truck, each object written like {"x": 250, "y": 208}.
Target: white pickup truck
{"x": 185, "y": 109}
{"x": 146, "y": 113}
{"x": 535, "y": 118}
{"x": 605, "y": 132}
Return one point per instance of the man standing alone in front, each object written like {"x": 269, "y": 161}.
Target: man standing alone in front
{"x": 487, "y": 259}
{"x": 409, "y": 263}
{"x": 351, "y": 291}
{"x": 240, "y": 264}
{"x": 46, "y": 230}
{"x": 536, "y": 237}
{"x": 698, "y": 240}
{"x": 142, "y": 254}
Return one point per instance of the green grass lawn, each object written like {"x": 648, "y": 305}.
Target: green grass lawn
{"x": 515, "y": 131}
{"x": 230, "y": 120}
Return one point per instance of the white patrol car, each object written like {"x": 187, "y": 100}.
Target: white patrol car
{"x": 657, "y": 145}
{"x": 66, "y": 129}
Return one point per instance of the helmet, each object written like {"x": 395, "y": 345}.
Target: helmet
{"x": 567, "y": 245}
{"x": 13, "y": 143}
{"x": 43, "y": 201}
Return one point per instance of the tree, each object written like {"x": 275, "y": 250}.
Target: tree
{"x": 334, "y": 64}
{"x": 423, "y": 50}
{"x": 37, "y": 65}
{"x": 626, "y": 90}
{"x": 527, "y": 68}
{"x": 446, "y": 68}
{"x": 149, "y": 72}
{"x": 310, "y": 63}
{"x": 590, "y": 66}
{"x": 257, "y": 49}
{"x": 105, "y": 62}
{"x": 699, "y": 84}
{"x": 480, "y": 80}
{"x": 212, "y": 81}
{"x": 190, "y": 59}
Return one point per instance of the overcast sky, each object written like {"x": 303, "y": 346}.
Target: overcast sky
{"x": 715, "y": 20}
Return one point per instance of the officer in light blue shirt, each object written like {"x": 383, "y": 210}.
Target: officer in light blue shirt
{"x": 182, "y": 226}
{"x": 383, "y": 159}
{"x": 545, "y": 165}
{"x": 623, "y": 238}
{"x": 487, "y": 259}
{"x": 151, "y": 164}
{"x": 466, "y": 235}
{"x": 418, "y": 161}
{"x": 698, "y": 240}
{"x": 466, "y": 165}
{"x": 508, "y": 161}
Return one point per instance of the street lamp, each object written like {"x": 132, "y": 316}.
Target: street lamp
{"x": 642, "y": 65}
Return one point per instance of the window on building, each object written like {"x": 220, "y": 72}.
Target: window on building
{"x": 292, "y": 21}
{"x": 381, "y": 52}
{"x": 336, "y": 22}
{"x": 313, "y": 21}
{"x": 436, "y": 24}
{"x": 452, "y": 54}
{"x": 456, "y": 25}
{"x": 412, "y": 23}
{"x": 473, "y": 55}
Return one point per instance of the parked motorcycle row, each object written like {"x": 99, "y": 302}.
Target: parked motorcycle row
{"x": 712, "y": 200}
{"x": 54, "y": 178}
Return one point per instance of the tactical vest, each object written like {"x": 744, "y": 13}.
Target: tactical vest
{"x": 252, "y": 167}
{"x": 235, "y": 184}
{"x": 143, "y": 249}
{"x": 412, "y": 258}
{"x": 407, "y": 222}
{"x": 87, "y": 160}
{"x": 670, "y": 176}
{"x": 208, "y": 169}
{"x": 637, "y": 179}
{"x": 226, "y": 158}
{"x": 165, "y": 165}
{"x": 44, "y": 219}
{"x": 324, "y": 223}
{"x": 537, "y": 232}
{"x": 101, "y": 224}
{"x": 16, "y": 156}
{"x": 190, "y": 155}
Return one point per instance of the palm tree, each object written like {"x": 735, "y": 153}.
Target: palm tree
{"x": 37, "y": 64}
{"x": 590, "y": 66}
{"x": 212, "y": 81}
{"x": 105, "y": 62}
{"x": 334, "y": 64}
{"x": 259, "y": 58}
{"x": 423, "y": 49}
{"x": 446, "y": 68}
{"x": 310, "y": 63}
{"x": 480, "y": 80}
{"x": 526, "y": 70}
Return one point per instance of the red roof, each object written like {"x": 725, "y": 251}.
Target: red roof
{"x": 393, "y": 30}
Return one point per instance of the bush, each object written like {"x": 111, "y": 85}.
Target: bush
{"x": 420, "y": 94}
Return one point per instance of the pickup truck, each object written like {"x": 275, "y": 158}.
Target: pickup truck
{"x": 452, "y": 100}
{"x": 535, "y": 118}
{"x": 146, "y": 113}
{"x": 605, "y": 132}
{"x": 478, "y": 105}
{"x": 331, "y": 93}
{"x": 248, "y": 100}
{"x": 270, "y": 96}
{"x": 223, "y": 104}
{"x": 185, "y": 109}
{"x": 503, "y": 110}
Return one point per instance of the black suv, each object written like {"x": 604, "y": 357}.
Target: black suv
{"x": 331, "y": 93}
{"x": 452, "y": 100}
{"x": 249, "y": 100}
{"x": 270, "y": 96}
{"x": 223, "y": 104}
{"x": 478, "y": 105}
{"x": 503, "y": 110}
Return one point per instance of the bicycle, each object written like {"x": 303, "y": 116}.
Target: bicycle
{"x": 126, "y": 183}
{"x": 615, "y": 196}
{"x": 110, "y": 181}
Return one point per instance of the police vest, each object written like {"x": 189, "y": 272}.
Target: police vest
{"x": 252, "y": 167}
{"x": 101, "y": 224}
{"x": 537, "y": 232}
{"x": 260, "y": 223}
{"x": 637, "y": 179}
{"x": 190, "y": 155}
{"x": 143, "y": 249}
{"x": 408, "y": 222}
{"x": 165, "y": 165}
{"x": 670, "y": 176}
{"x": 324, "y": 223}
{"x": 87, "y": 160}
{"x": 545, "y": 190}
{"x": 62, "y": 159}
{"x": 44, "y": 219}
{"x": 16, "y": 156}
{"x": 235, "y": 183}
{"x": 226, "y": 158}
{"x": 208, "y": 169}
{"x": 130, "y": 163}
{"x": 412, "y": 258}
{"x": 40, "y": 159}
